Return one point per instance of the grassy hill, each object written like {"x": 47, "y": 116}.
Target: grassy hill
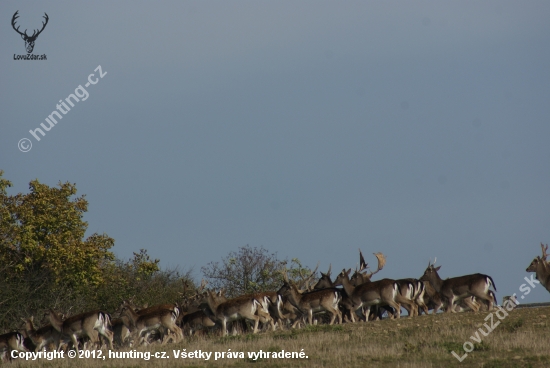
{"x": 522, "y": 339}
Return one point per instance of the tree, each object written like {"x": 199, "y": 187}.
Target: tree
{"x": 250, "y": 270}
{"x": 46, "y": 261}
{"x": 43, "y": 231}
{"x": 141, "y": 280}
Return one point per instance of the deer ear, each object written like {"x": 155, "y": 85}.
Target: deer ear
{"x": 437, "y": 268}
{"x": 23, "y": 36}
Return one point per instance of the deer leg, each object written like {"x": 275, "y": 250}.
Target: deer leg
{"x": 397, "y": 308}
{"x": 450, "y": 303}
{"x": 256, "y": 322}
{"x": 109, "y": 335}
{"x": 471, "y": 304}
{"x": 351, "y": 315}
{"x": 366, "y": 312}
{"x": 74, "y": 340}
{"x": 179, "y": 333}
{"x": 488, "y": 298}
{"x": 424, "y": 308}
{"x": 407, "y": 304}
{"x": 332, "y": 316}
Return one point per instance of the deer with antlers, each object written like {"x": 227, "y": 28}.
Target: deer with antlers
{"x": 235, "y": 309}
{"x": 384, "y": 292}
{"x": 541, "y": 267}
{"x": 313, "y": 301}
{"x": 360, "y": 276}
{"x": 325, "y": 282}
{"x": 456, "y": 289}
{"x": 411, "y": 289}
{"x": 29, "y": 40}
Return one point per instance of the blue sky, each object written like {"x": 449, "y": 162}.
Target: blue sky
{"x": 310, "y": 128}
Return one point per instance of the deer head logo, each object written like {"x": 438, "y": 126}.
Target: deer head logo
{"x": 29, "y": 40}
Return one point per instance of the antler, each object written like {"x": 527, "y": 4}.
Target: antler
{"x": 305, "y": 280}
{"x": 35, "y": 33}
{"x": 285, "y": 275}
{"x": 381, "y": 263}
{"x": 329, "y": 268}
{"x": 43, "y": 25}
{"x": 362, "y": 264}
{"x": 203, "y": 285}
{"x": 544, "y": 254}
{"x": 186, "y": 289}
{"x": 13, "y": 19}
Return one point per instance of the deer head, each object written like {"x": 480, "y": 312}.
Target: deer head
{"x": 430, "y": 274}
{"x": 29, "y": 40}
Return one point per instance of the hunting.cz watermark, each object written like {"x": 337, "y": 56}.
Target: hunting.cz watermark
{"x": 80, "y": 94}
{"x": 501, "y": 314}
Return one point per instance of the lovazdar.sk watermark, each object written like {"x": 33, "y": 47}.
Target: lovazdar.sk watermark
{"x": 501, "y": 313}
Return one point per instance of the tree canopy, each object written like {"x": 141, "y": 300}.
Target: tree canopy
{"x": 252, "y": 269}
{"x": 47, "y": 261}
{"x": 43, "y": 231}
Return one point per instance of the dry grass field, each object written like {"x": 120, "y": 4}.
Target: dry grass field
{"x": 522, "y": 339}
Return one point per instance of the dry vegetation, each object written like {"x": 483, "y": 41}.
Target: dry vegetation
{"x": 521, "y": 340}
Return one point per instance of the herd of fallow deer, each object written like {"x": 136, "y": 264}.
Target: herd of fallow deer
{"x": 359, "y": 298}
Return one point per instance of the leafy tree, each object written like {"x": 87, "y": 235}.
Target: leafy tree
{"x": 141, "y": 280}
{"x": 45, "y": 261}
{"x": 44, "y": 230}
{"x": 250, "y": 270}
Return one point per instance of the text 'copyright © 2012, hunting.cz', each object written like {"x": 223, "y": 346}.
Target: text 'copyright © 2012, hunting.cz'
{"x": 147, "y": 355}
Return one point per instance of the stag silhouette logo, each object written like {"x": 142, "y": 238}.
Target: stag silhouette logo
{"x": 29, "y": 40}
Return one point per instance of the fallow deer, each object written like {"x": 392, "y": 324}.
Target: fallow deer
{"x": 314, "y": 301}
{"x": 9, "y": 342}
{"x": 163, "y": 335}
{"x": 541, "y": 267}
{"x": 382, "y": 292}
{"x": 455, "y": 289}
{"x": 325, "y": 282}
{"x": 141, "y": 326}
{"x": 431, "y": 299}
{"x": 87, "y": 324}
{"x": 411, "y": 289}
{"x": 234, "y": 309}
{"x": 44, "y": 337}
{"x": 121, "y": 333}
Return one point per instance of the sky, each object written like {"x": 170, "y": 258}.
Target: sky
{"x": 311, "y": 128}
